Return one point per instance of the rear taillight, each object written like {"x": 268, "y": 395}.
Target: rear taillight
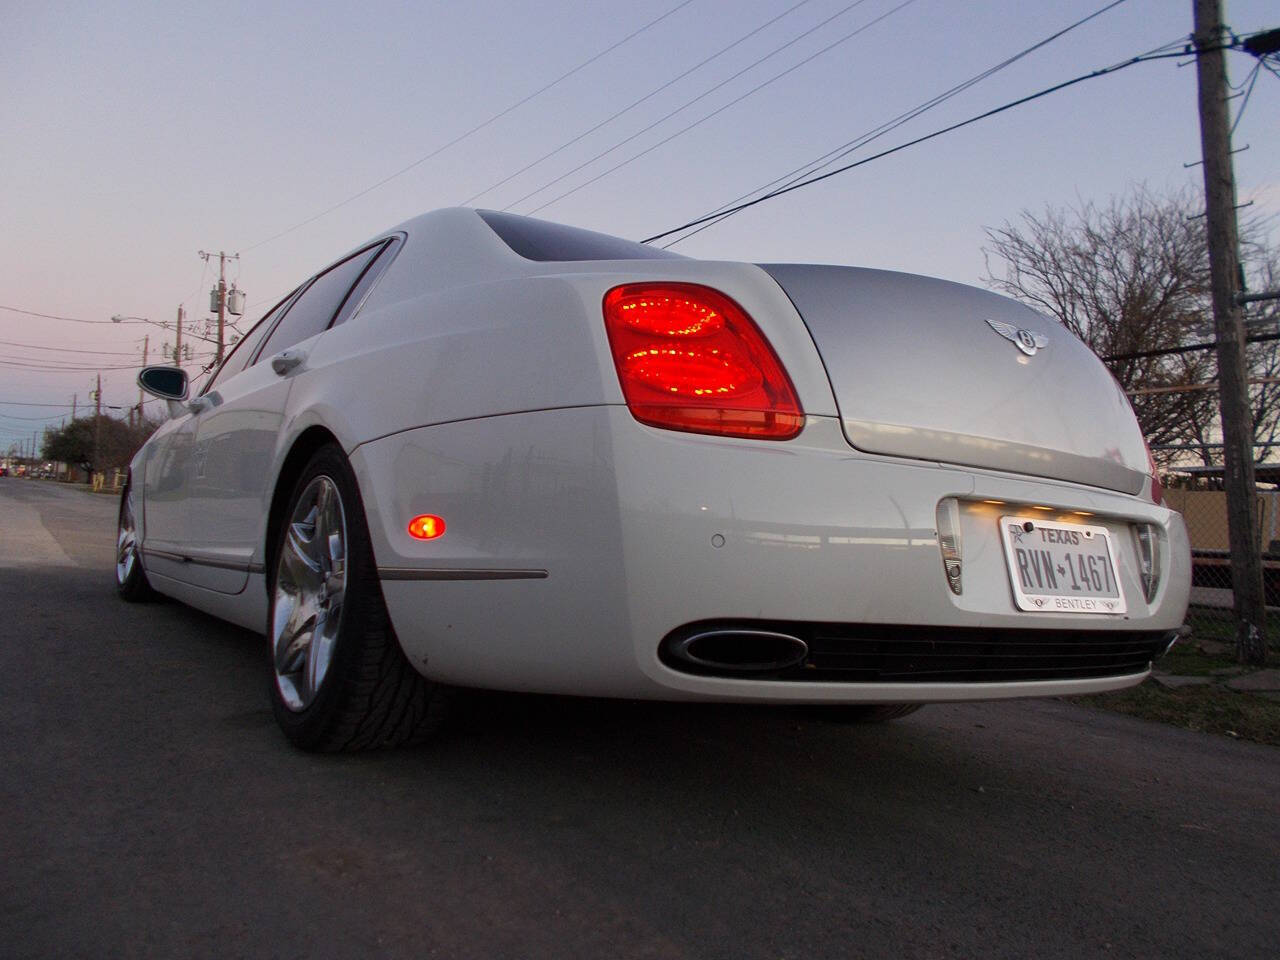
{"x": 689, "y": 358}
{"x": 1157, "y": 488}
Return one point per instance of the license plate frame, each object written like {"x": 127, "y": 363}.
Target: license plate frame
{"x": 1060, "y": 567}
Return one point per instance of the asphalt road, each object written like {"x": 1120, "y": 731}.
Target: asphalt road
{"x": 149, "y": 808}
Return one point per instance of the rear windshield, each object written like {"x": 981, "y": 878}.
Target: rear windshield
{"x": 541, "y": 240}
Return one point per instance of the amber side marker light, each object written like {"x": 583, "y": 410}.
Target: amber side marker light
{"x": 426, "y": 527}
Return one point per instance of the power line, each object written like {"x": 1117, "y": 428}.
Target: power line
{"x": 50, "y": 316}
{"x": 1188, "y": 348}
{"x": 635, "y": 103}
{"x": 21, "y": 365}
{"x": 36, "y": 346}
{"x": 28, "y": 403}
{"x": 35, "y": 363}
{"x": 918, "y": 140}
{"x": 54, "y": 416}
{"x": 476, "y": 129}
{"x": 204, "y": 269}
{"x": 733, "y": 102}
{"x": 849, "y": 146}
{"x": 60, "y": 362}
{"x": 1250, "y": 80}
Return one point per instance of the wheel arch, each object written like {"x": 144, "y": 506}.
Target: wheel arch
{"x": 304, "y": 447}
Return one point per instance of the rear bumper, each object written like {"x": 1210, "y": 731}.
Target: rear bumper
{"x": 867, "y": 653}
{"x": 578, "y": 540}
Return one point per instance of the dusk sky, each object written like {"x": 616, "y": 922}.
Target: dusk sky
{"x": 136, "y": 134}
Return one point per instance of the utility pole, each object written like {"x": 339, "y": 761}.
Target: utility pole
{"x": 1224, "y": 270}
{"x": 220, "y": 296}
{"x": 97, "y": 428}
{"x": 177, "y": 347}
{"x": 222, "y": 307}
{"x": 74, "y": 398}
{"x": 146, "y": 342}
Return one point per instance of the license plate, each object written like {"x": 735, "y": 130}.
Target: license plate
{"x": 1061, "y": 567}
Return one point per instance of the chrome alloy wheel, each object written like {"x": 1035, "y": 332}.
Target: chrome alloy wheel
{"x": 126, "y": 541}
{"x": 310, "y": 587}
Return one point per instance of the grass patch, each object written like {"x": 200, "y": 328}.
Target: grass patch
{"x": 1188, "y": 660}
{"x": 1219, "y": 626}
{"x": 1211, "y": 709}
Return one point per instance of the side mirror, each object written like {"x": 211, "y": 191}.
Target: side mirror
{"x": 168, "y": 383}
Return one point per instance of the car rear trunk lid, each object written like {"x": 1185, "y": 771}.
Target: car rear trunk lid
{"x": 934, "y": 370}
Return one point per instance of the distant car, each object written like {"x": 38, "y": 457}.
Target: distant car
{"x": 484, "y": 450}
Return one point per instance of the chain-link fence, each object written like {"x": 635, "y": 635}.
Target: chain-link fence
{"x": 1196, "y": 492}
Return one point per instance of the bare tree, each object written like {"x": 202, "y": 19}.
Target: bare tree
{"x": 1264, "y": 357}
{"x": 1132, "y": 277}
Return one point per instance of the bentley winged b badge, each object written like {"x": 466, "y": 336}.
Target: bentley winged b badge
{"x": 1023, "y": 339}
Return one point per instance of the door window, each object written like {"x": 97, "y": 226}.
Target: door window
{"x": 314, "y": 309}
{"x": 240, "y": 354}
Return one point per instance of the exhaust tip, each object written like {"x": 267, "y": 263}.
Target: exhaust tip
{"x": 735, "y": 651}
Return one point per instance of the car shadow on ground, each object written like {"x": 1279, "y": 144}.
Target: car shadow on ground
{"x": 625, "y": 821}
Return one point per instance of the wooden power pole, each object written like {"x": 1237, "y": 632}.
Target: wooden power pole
{"x": 222, "y": 308}
{"x": 220, "y": 297}
{"x": 1224, "y": 268}
{"x": 97, "y": 428}
{"x": 146, "y": 342}
{"x": 177, "y": 346}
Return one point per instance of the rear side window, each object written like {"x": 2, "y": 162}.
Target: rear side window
{"x": 540, "y": 240}
{"x": 317, "y": 305}
{"x": 360, "y": 292}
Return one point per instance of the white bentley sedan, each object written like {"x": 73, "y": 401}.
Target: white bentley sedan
{"x": 484, "y": 450}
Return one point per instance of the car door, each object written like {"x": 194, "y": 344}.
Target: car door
{"x": 237, "y": 435}
{"x": 164, "y": 484}
{"x": 172, "y": 462}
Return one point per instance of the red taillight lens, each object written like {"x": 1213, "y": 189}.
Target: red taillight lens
{"x": 689, "y": 358}
{"x": 1157, "y": 488}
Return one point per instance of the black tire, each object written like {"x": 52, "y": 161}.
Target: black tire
{"x": 367, "y": 694}
{"x": 131, "y": 580}
{"x": 867, "y": 712}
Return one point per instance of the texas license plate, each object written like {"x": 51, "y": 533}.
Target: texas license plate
{"x": 1061, "y": 567}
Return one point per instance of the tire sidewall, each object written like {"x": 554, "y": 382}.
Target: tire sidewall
{"x": 307, "y": 727}
{"x": 135, "y": 586}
